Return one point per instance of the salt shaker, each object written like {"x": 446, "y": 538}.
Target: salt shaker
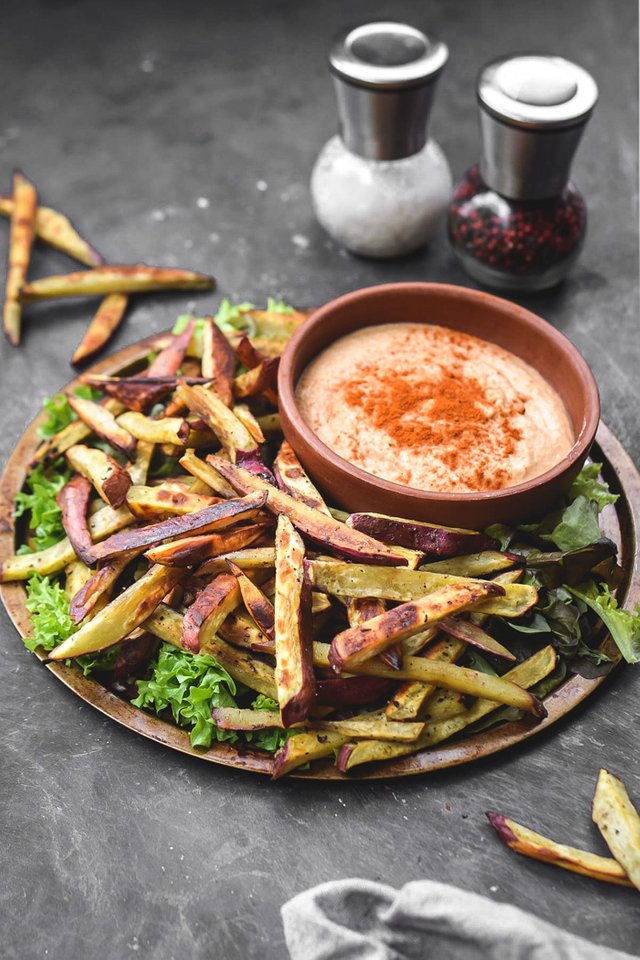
{"x": 380, "y": 186}
{"x": 516, "y": 222}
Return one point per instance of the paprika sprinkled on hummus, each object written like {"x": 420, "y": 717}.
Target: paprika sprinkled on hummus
{"x": 434, "y": 409}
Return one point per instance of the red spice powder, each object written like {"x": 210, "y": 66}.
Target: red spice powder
{"x": 450, "y": 413}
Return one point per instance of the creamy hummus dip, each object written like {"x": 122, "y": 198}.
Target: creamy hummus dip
{"x": 434, "y": 409}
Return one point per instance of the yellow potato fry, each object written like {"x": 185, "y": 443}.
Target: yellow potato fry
{"x": 619, "y": 823}
{"x": 57, "y": 230}
{"x": 114, "y": 279}
{"x": 22, "y": 233}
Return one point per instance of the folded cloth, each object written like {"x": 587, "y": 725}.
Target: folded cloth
{"x": 362, "y": 920}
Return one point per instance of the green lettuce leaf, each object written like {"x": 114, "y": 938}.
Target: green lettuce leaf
{"x": 573, "y": 527}
{"x": 270, "y": 740}
{"x": 60, "y": 414}
{"x": 623, "y": 625}
{"x": 190, "y": 686}
{"x": 587, "y": 484}
{"x": 39, "y": 497}
{"x": 278, "y": 306}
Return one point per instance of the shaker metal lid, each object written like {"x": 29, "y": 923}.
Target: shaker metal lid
{"x": 387, "y": 55}
{"x": 537, "y": 91}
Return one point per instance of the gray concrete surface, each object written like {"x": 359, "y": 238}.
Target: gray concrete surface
{"x": 126, "y": 115}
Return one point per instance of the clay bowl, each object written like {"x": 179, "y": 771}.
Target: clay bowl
{"x": 471, "y": 311}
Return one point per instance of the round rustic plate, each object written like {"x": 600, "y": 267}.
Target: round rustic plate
{"x": 619, "y": 523}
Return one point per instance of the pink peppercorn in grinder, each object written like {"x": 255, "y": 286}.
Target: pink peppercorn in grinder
{"x": 515, "y": 221}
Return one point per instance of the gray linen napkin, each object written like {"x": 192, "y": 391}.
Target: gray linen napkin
{"x": 362, "y": 920}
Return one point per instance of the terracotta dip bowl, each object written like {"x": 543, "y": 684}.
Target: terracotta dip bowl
{"x": 470, "y": 311}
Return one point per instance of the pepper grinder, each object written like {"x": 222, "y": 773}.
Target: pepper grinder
{"x": 380, "y": 185}
{"x": 516, "y": 222}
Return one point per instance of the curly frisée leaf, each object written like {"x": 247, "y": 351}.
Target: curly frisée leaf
{"x": 190, "y": 686}
{"x": 270, "y": 740}
{"x": 39, "y": 497}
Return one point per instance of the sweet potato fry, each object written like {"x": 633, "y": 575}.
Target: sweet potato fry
{"x": 212, "y": 605}
{"x": 270, "y": 423}
{"x": 165, "y": 430}
{"x": 619, "y": 823}
{"x": 425, "y": 537}
{"x": 218, "y": 361}
{"x": 474, "y": 635}
{"x": 171, "y": 357}
{"x": 75, "y": 577}
{"x": 293, "y": 480}
{"x": 242, "y": 666}
{"x": 57, "y": 230}
{"x": 409, "y": 702}
{"x": 73, "y": 501}
{"x": 241, "y": 631}
{"x": 329, "y": 532}
{"x": 525, "y": 674}
{"x": 110, "y": 480}
{"x": 534, "y": 845}
{"x": 232, "y": 718}
{"x": 74, "y": 433}
{"x": 102, "y": 422}
{"x": 258, "y": 605}
{"x": 217, "y": 517}
{"x": 155, "y": 503}
{"x": 106, "y": 321}
{"x": 121, "y": 616}
{"x": 401, "y": 584}
{"x": 258, "y": 380}
{"x": 191, "y": 550}
{"x": 257, "y": 558}
{"x": 245, "y": 417}
{"x": 114, "y": 279}
{"x": 85, "y": 598}
{"x": 474, "y": 564}
{"x": 139, "y": 469}
{"x": 303, "y": 748}
{"x": 22, "y": 233}
{"x": 231, "y": 433}
{"x": 361, "y": 609}
{"x": 247, "y": 353}
{"x": 198, "y": 468}
{"x": 135, "y": 393}
{"x": 360, "y": 643}
{"x": 292, "y": 627}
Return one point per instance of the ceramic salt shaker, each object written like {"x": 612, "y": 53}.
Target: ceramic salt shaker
{"x": 380, "y": 185}
{"x": 516, "y": 221}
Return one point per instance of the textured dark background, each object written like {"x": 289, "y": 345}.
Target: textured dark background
{"x": 154, "y": 125}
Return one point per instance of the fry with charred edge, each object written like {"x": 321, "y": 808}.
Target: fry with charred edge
{"x": 525, "y": 674}
{"x": 216, "y": 517}
{"x": 170, "y": 359}
{"x": 217, "y": 599}
{"x": 258, "y": 606}
{"x": 257, "y": 380}
{"x": 258, "y": 558}
{"x": 73, "y": 501}
{"x": 619, "y": 823}
{"x": 222, "y": 421}
{"x": 410, "y": 700}
{"x": 86, "y": 597}
{"x": 357, "y": 644}
{"x": 22, "y": 233}
{"x": 475, "y": 636}
{"x": 110, "y": 480}
{"x": 104, "y": 424}
{"x": 361, "y": 609}
{"x": 74, "y": 433}
{"x": 121, "y": 616}
{"x": 474, "y": 564}
{"x": 114, "y": 279}
{"x": 247, "y": 353}
{"x": 190, "y": 550}
{"x": 240, "y": 630}
{"x": 218, "y": 361}
{"x": 292, "y": 627}
{"x": 165, "y": 430}
{"x": 57, "y": 230}
{"x": 425, "y": 537}
{"x": 365, "y": 580}
{"x": 534, "y": 845}
{"x": 331, "y": 533}
{"x": 447, "y": 675}
{"x": 198, "y": 468}
{"x": 242, "y": 666}
{"x": 293, "y": 480}
{"x": 136, "y": 393}
{"x": 56, "y": 558}
{"x": 106, "y": 321}
{"x": 155, "y": 503}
